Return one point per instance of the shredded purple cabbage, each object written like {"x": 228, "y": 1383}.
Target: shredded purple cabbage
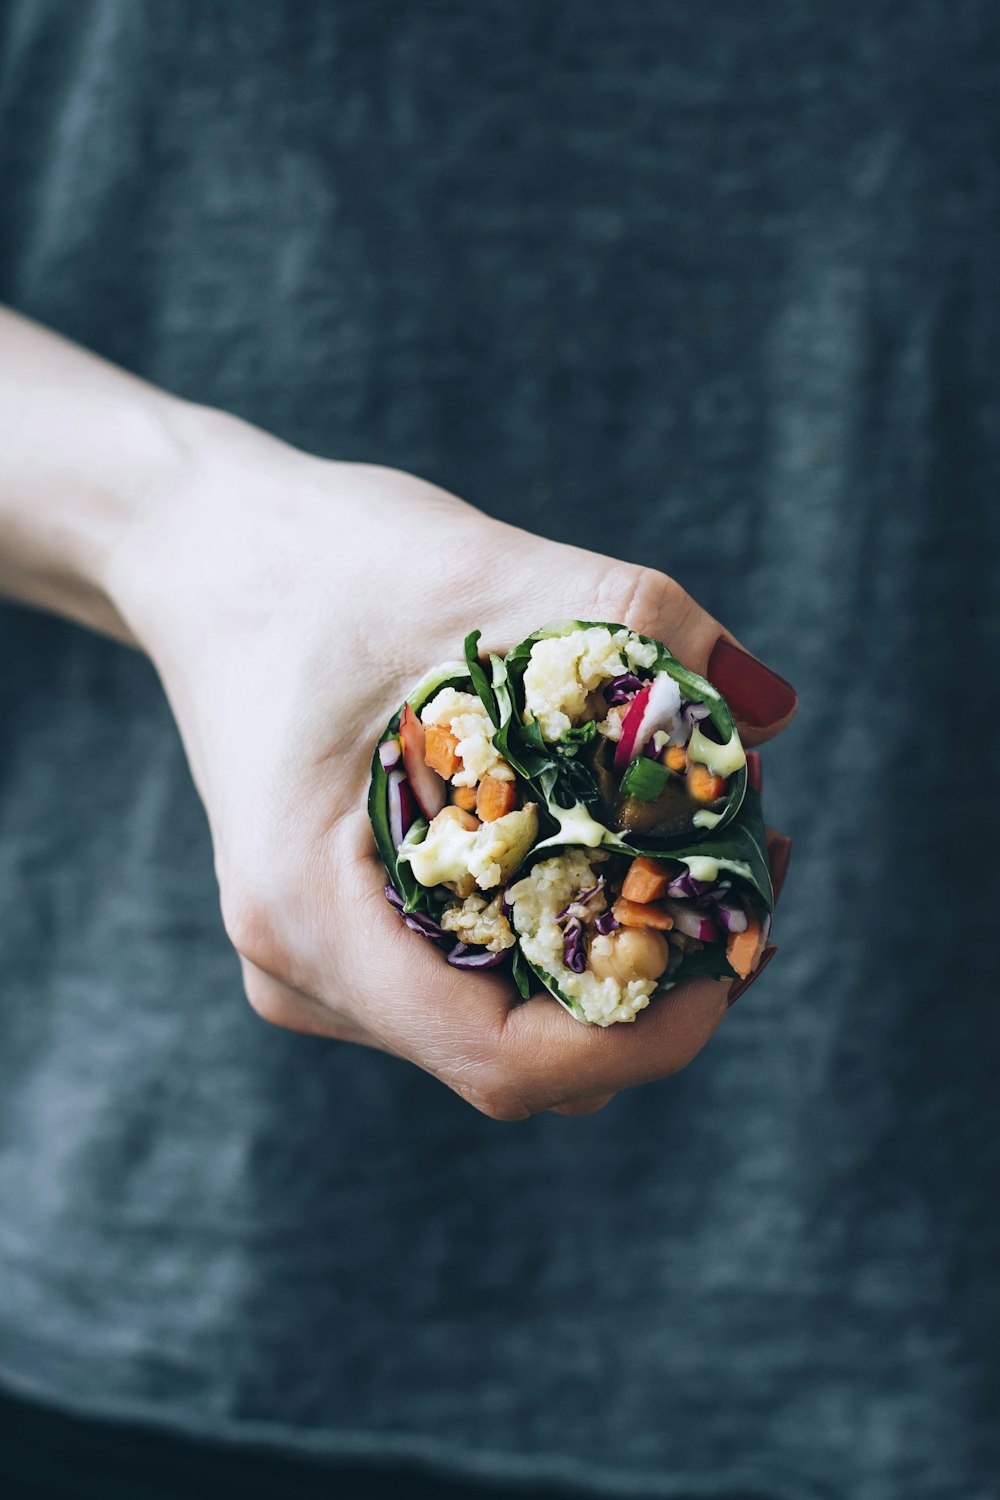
{"x": 621, "y": 689}
{"x": 685, "y": 886}
{"x": 415, "y": 920}
{"x": 607, "y": 922}
{"x": 575, "y": 946}
{"x": 464, "y": 957}
{"x": 584, "y": 899}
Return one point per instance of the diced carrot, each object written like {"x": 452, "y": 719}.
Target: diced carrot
{"x": 641, "y": 914}
{"x": 464, "y": 797}
{"x": 675, "y": 758}
{"x": 440, "y": 746}
{"x": 647, "y": 879}
{"x": 743, "y": 948}
{"x": 495, "y": 798}
{"x": 702, "y": 785}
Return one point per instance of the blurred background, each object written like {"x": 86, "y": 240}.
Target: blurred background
{"x": 712, "y": 289}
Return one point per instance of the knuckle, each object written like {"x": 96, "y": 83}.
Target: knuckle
{"x": 275, "y": 1004}
{"x": 264, "y": 997}
{"x": 494, "y": 1097}
{"x": 502, "y": 1106}
{"x": 251, "y": 930}
{"x": 641, "y": 598}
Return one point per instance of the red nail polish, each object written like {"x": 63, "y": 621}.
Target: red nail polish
{"x": 779, "y": 852}
{"x": 738, "y": 987}
{"x": 755, "y": 771}
{"x": 756, "y": 695}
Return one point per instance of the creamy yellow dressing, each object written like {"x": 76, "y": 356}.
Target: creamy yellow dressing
{"x": 721, "y": 760}
{"x": 576, "y": 826}
{"x": 444, "y": 855}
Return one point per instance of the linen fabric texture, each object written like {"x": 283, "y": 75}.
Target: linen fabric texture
{"x": 715, "y": 291}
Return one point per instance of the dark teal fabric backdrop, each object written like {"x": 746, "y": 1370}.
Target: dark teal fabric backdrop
{"x": 712, "y": 287}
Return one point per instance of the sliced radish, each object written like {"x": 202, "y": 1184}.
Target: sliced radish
{"x": 658, "y": 706}
{"x": 402, "y": 807}
{"x": 695, "y": 923}
{"x": 430, "y": 789}
{"x": 626, "y": 746}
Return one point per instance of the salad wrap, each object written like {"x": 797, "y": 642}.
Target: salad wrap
{"x": 605, "y": 930}
{"x": 513, "y": 825}
{"x": 452, "y": 819}
{"x": 625, "y": 748}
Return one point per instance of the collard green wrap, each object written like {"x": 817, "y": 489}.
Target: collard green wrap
{"x": 415, "y": 897}
{"x": 737, "y": 857}
{"x": 406, "y": 829}
{"x": 571, "y": 776}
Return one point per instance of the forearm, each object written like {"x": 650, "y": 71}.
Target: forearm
{"x": 85, "y": 447}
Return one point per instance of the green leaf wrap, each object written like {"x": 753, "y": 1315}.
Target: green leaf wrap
{"x": 555, "y": 770}
{"x": 740, "y": 854}
{"x": 417, "y": 897}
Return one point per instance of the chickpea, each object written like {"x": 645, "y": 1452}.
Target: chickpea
{"x": 629, "y": 953}
{"x": 453, "y": 814}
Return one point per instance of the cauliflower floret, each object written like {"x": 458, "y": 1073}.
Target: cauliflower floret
{"x": 611, "y": 727}
{"x": 476, "y": 921}
{"x": 564, "y": 670}
{"x": 461, "y": 856}
{"x": 465, "y": 717}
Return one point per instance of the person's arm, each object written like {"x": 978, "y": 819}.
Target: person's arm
{"x": 288, "y": 603}
{"x": 84, "y": 447}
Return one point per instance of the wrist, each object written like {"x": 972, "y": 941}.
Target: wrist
{"x": 186, "y": 551}
{"x": 86, "y": 446}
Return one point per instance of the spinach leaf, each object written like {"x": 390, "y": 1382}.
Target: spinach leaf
{"x": 575, "y": 738}
{"x": 480, "y": 681}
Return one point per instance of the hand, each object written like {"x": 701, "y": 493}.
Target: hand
{"x": 289, "y": 604}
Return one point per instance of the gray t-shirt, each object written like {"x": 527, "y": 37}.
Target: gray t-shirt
{"x": 711, "y": 288}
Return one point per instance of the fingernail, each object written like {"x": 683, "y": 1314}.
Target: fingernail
{"x": 755, "y": 771}
{"x": 756, "y": 695}
{"x": 779, "y": 852}
{"x": 740, "y": 985}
